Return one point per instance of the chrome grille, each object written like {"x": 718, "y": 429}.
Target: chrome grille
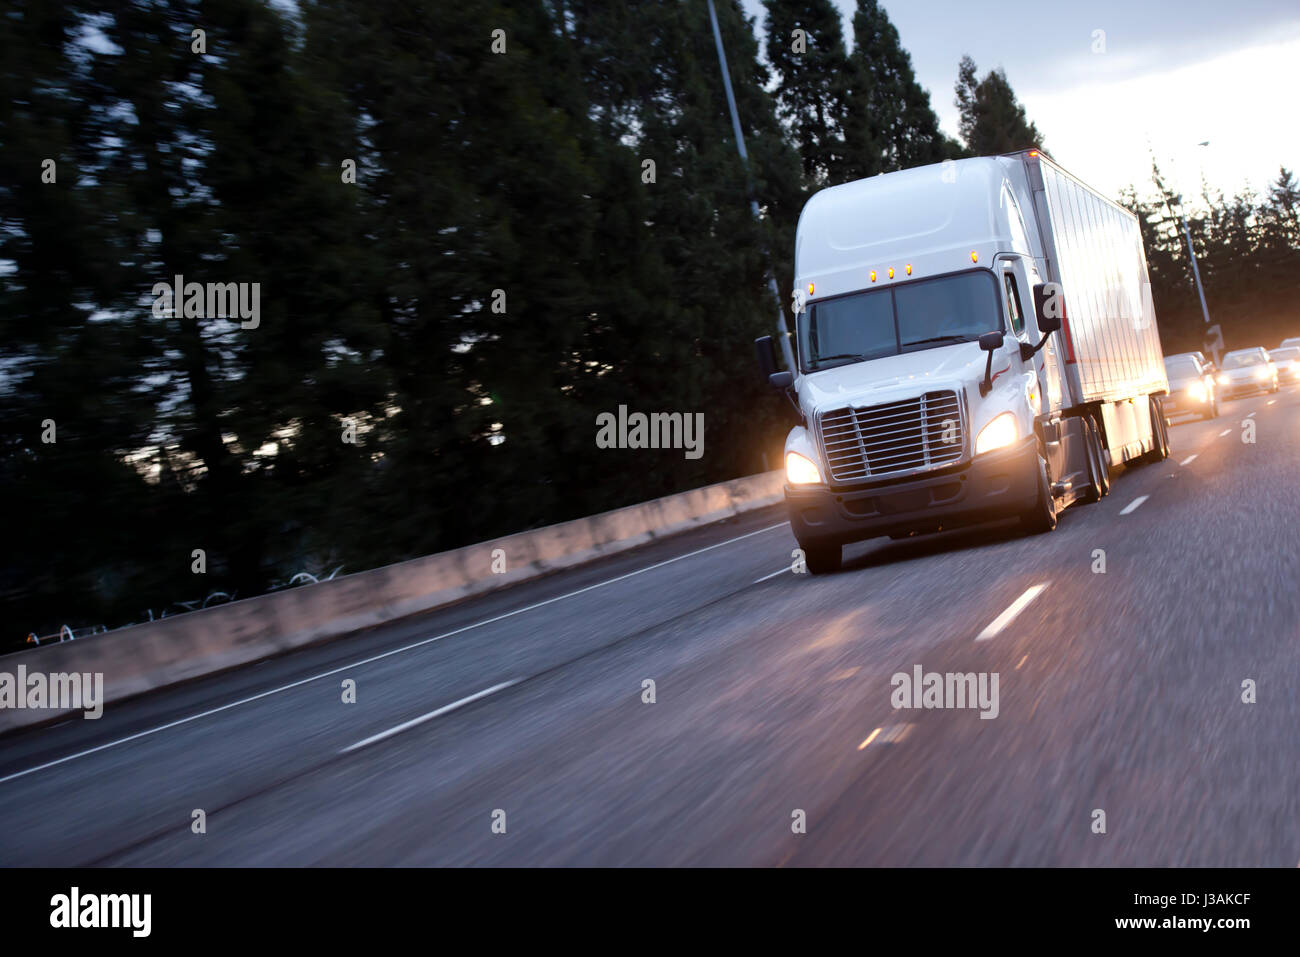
{"x": 908, "y": 436}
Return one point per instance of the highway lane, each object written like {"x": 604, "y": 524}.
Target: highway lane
{"x": 1119, "y": 691}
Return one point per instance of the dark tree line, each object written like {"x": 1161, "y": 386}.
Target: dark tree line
{"x": 465, "y": 251}
{"x": 1247, "y": 249}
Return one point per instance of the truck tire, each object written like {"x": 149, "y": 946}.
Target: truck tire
{"x": 822, "y": 559}
{"x": 1101, "y": 456}
{"x": 1041, "y": 517}
{"x": 1096, "y": 464}
{"x": 1159, "y": 435}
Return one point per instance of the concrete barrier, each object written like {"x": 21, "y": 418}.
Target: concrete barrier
{"x": 145, "y": 657}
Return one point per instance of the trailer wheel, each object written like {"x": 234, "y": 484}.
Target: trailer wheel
{"x": 822, "y": 559}
{"x": 1159, "y": 434}
{"x": 1041, "y": 517}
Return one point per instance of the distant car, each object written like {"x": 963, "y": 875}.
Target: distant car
{"x": 1287, "y": 361}
{"x": 1191, "y": 388}
{"x": 1290, "y": 343}
{"x": 1206, "y": 363}
{"x": 1247, "y": 370}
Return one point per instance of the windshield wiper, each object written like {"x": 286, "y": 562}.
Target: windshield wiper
{"x": 932, "y": 339}
{"x": 842, "y": 355}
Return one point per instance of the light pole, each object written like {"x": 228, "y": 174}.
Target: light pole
{"x": 782, "y": 329}
{"x": 1191, "y": 253}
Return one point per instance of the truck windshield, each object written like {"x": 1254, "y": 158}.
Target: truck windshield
{"x": 908, "y": 317}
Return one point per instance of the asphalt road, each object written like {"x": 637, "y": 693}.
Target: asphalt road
{"x": 1118, "y": 691}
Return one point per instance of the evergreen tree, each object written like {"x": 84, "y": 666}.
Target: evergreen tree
{"x": 888, "y": 123}
{"x": 805, "y": 45}
{"x": 992, "y": 120}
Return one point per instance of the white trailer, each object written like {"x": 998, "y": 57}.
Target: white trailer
{"x": 1092, "y": 247}
{"x": 975, "y": 340}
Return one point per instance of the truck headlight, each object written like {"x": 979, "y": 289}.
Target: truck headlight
{"x": 1263, "y": 373}
{"x": 999, "y": 433}
{"x": 1196, "y": 391}
{"x": 1225, "y": 379}
{"x": 801, "y": 471}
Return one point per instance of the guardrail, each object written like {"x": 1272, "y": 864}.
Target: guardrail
{"x": 151, "y": 655}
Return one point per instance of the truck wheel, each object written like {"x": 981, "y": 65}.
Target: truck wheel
{"x": 1101, "y": 457}
{"x": 1159, "y": 435}
{"x": 1096, "y": 465}
{"x": 822, "y": 559}
{"x": 1042, "y": 516}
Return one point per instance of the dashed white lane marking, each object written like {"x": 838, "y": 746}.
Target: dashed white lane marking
{"x": 1133, "y": 505}
{"x": 1270, "y": 402}
{"x": 1251, "y": 415}
{"x": 887, "y": 734}
{"x": 1225, "y": 432}
{"x": 1021, "y": 662}
{"x": 445, "y": 709}
{"x": 781, "y": 571}
{"x": 1008, "y": 616}
{"x": 372, "y": 658}
{"x": 1189, "y": 460}
{"x": 871, "y": 737}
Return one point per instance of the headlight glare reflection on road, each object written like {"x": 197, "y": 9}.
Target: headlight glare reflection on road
{"x": 999, "y": 433}
{"x": 801, "y": 471}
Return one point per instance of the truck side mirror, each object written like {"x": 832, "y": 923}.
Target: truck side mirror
{"x": 1049, "y": 306}
{"x": 765, "y": 351}
{"x": 781, "y": 380}
{"x": 990, "y": 342}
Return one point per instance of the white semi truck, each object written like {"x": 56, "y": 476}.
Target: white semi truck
{"x": 975, "y": 340}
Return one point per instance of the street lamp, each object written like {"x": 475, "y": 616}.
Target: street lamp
{"x": 781, "y": 327}
{"x": 1191, "y": 253}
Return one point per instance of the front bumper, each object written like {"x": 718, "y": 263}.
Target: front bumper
{"x": 1233, "y": 389}
{"x": 992, "y": 486}
{"x": 1182, "y": 403}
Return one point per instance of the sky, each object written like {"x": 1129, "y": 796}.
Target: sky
{"x": 1167, "y": 76}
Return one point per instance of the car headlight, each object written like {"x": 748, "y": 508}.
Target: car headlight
{"x": 800, "y": 471}
{"x": 1196, "y": 391}
{"x": 999, "y": 433}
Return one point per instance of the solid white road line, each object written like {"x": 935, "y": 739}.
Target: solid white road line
{"x": 1133, "y": 505}
{"x": 773, "y": 575}
{"x": 445, "y": 709}
{"x": 373, "y": 658}
{"x": 1189, "y": 459}
{"x": 1010, "y": 614}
